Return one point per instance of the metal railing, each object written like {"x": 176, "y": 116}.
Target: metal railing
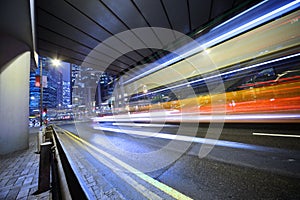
{"x": 64, "y": 182}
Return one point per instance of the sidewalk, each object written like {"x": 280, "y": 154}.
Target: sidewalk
{"x": 19, "y": 173}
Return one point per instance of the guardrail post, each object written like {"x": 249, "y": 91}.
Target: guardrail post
{"x": 48, "y": 133}
{"x": 40, "y": 139}
{"x": 44, "y": 168}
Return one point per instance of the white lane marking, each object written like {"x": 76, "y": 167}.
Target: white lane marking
{"x": 144, "y": 125}
{"x": 276, "y": 135}
{"x": 185, "y": 138}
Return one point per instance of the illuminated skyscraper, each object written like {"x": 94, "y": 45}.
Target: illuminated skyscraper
{"x": 53, "y": 91}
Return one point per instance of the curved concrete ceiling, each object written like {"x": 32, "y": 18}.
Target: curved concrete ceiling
{"x": 71, "y": 29}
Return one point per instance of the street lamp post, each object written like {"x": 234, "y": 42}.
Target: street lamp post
{"x": 41, "y": 95}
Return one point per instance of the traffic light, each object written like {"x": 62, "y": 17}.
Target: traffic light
{"x": 44, "y": 114}
{"x": 37, "y": 81}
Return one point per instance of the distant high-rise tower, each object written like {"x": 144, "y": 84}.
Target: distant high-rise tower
{"x": 104, "y": 88}
{"x": 84, "y": 84}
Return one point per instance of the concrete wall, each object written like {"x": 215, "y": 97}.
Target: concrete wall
{"x": 14, "y": 101}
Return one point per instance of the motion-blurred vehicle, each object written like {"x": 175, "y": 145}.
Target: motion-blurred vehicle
{"x": 259, "y": 77}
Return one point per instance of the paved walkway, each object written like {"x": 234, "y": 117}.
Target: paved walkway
{"x": 19, "y": 173}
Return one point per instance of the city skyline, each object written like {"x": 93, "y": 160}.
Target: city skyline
{"x": 57, "y": 91}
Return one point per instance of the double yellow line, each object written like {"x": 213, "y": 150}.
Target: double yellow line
{"x": 144, "y": 191}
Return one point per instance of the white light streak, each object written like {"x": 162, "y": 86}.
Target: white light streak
{"x": 249, "y": 25}
{"x": 144, "y": 125}
{"x": 276, "y": 135}
{"x": 184, "y": 138}
{"x": 241, "y": 14}
{"x": 192, "y": 117}
{"x": 222, "y": 37}
{"x": 226, "y": 73}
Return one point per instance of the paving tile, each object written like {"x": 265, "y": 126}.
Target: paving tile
{"x": 11, "y": 181}
{"x": 28, "y": 180}
{"x": 23, "y": 193}
{"x": 13, "y": 193}
{"x": 33, "y": 190}
{"x": 4, "y": 173}
{"x": 3, "y": 193}
{"x": 19, "y": 174}
{"x": 3, "y": 181}
{"x": 22, "y": 198}
{"x": 25, "y": 171}
{"x": 20, "y": 181}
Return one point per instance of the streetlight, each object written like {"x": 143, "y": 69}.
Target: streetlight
{"x": 55, "y": 62}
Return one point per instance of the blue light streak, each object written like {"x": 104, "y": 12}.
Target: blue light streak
{"x": 263, "y": 12}
{"x": 225, "y": 73}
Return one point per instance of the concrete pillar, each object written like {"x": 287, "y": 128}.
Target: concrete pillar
{"x": 14, "y": 101}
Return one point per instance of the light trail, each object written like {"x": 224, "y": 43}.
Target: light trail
{"x": 192, "y": 117}
{"x": 184, "y": 138}
{"x": 224, "y": 73}
{"x": 144, "y": 125}
{"x": 223, "y": 36}
{"x": 276, "y": 135}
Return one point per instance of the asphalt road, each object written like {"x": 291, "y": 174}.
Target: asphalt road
{"x": 234, "y": 165}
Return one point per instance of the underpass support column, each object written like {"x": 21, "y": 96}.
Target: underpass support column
{"x": 17, "y": 44}
{"x": 14, "y": 103}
